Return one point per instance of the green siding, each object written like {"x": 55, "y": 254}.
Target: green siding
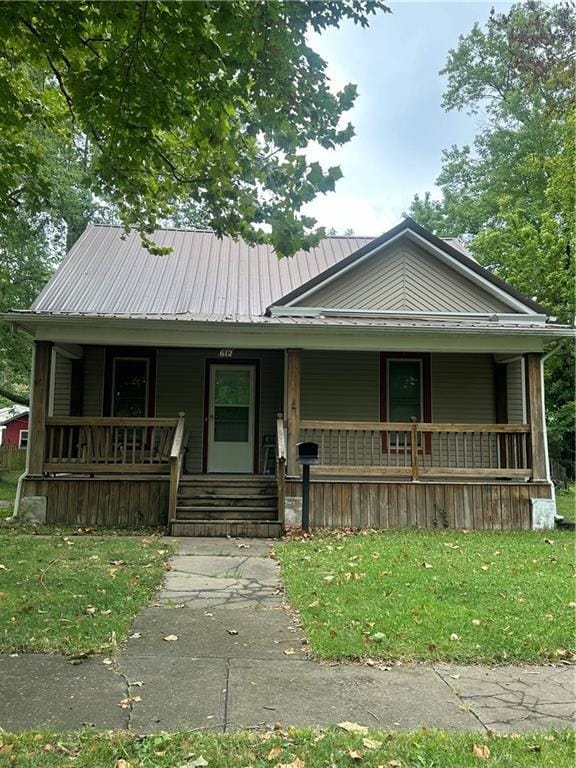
{"x": 93, "y": 381}
{"x": 515, "y": 392}
{"x": 62, "y": 381}
{"x": 404, "y": 277}
{"x": 463, "y": 389}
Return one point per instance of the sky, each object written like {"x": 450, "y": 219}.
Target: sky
{"x": 401, "y": 128}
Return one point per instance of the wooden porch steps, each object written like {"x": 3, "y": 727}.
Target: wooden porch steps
{"x": 226, "y": 505}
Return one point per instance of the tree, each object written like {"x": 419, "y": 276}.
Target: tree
{"x": 511, "y": 195}
{"x": 206, "y": 105}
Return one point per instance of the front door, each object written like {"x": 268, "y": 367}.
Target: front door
{"x": 231, "y": 417}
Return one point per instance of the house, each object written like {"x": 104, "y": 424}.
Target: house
{"x": 14, "y": 426}
{"x": 176, "y": 388}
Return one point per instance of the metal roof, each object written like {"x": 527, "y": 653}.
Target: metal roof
{"x": 109, "y": 273}
{"x": 11, "y": 413}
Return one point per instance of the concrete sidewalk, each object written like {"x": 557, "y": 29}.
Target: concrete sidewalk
{"x": 239, "y": 661}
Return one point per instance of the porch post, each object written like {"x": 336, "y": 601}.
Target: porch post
{"x": 293, "y": 408}
{"x": 537, "y": 417}
{"x": 39, "y": 406}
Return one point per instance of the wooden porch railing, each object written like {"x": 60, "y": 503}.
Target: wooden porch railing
{"x": 281, "y": 468}
{"x": 421, "y": 450}
{"x": 176, "y": 462}
{"x": 102, "y": 444}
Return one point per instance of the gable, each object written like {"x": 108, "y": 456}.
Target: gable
{"x": 404, "y": 278}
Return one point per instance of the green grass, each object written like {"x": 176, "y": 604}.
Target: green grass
{"x": 480, "y": 597}
{"x": 566, "y": 502}
{"x": 74, "y": 595}
{"x": 292, "y": 748}
{"x": 8, "y": 483}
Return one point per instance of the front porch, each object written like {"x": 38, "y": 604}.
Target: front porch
{"x": 473, "y": 455}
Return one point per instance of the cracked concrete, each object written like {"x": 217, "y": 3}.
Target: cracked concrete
{"x": 240, "y": 661}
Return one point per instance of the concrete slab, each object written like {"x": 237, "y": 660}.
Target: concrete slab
{"x": 217, "y": 546}
{"x": 206, "y": 634}
{"x": 177, "y": 693}
{"x": 38, "y": 690}
{"x": 303, "y": 693}
{"x": 514, "y": 699}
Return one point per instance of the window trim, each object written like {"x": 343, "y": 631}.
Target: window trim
{"x": 424, "y": 358}
{"x": 20, "y": 434}
{"x": 129, "y": 353}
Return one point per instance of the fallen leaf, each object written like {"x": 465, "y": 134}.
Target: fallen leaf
{"x": 294, "y": 764}
{"x": 170, "y": 638}
{"x": 371, "y": 743}
{"x": 534, "y": 747}
{"x": 454, "y": 636}
{"x": 314, "y": 604}
{"x": 134, "y": 635}
{"x": 427, "y": 565}
{"x": 274, "y": 752}
{"x": 329, "y": 578}
{"x": 134, "y": 581}
{"x": 394, "y": 763}
{"x": 378, "y": 636}
{"x": 232, "y": 631}
{"x": 484, "y": 567}
{"x": 481, "y": 751}
{"x": 121, "y": 763}
{"x": 90, "y": 610}
{"x": 354, "y": 754}
{"x": 198, "y": 763}
{"x": 548, "y": 541}
{"x": 476, "y": 622}
{"x": 138, "y": 683}
{"x": 289, "y": 651}
{"x": 352, "y": 727}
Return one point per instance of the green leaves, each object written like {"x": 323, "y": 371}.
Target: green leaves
{"x": 204, "y": 105}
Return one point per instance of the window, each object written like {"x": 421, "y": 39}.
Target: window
{"x": 130, "y": 387}
{"x": 23, "y": 439}
{"x": 405, "y": 390}
{"x": 129, "y": 382}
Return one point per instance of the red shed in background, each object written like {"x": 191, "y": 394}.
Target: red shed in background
{"x": 14, "y": 426}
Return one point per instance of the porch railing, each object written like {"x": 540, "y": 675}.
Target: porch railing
{"x": 421, "y": 450}
{"x": 93, "y": 444}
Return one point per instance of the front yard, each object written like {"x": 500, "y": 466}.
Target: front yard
{"x": 74, "y": 595}
{"x": 288, "y": 749}
{"x": 479, "y": 597}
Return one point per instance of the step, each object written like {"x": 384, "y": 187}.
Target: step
{"x": 207, "y": 480}
{"x": 226, "y": 513}
{"x": 262, "y": 529}
{"x": 226, "y": 490}
{"x": 231, "y": 502}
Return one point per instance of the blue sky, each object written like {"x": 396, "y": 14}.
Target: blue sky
{"x": 401, "y": 129}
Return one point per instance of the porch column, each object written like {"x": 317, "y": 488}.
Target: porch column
{"x": 536, "y": 416}
{"x": 39, "y": 406}
{"x": 293, "y": 408}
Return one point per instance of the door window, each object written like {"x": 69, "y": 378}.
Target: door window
{"x": 232, "y": 393}
{"x": 130, "y": 387}
{"x": 404, "y": 390}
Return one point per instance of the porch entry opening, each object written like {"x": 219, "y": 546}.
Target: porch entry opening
{"x": 231, "y": 418}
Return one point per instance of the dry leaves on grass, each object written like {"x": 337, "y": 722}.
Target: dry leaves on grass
{"x": 481, "y": 751}
{"x": 274, "y": 752}
{"x": 297, "y": 763}
{"x": 170, "y": 638}
{"x": 371, "y": 743}
{"x": 352, "y": 727}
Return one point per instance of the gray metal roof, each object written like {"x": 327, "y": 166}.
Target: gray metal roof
{"x": 109, "y": 274}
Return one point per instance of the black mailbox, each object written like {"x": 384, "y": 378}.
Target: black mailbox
{"x": 308, "y": 453}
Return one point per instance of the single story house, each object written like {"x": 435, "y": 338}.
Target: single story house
{"x": 14, "y": 426}
{"x": 175, "y": 389}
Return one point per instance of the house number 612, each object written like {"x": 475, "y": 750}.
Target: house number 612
{"x": 226, "y": 352}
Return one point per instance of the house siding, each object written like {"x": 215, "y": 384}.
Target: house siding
{"x": 515, "y": 392}
{"x": 62, "y": 383}
{"x": 93, "y": 381}
{"x": 463, "y": 389}
{"x": 404, "y": 278}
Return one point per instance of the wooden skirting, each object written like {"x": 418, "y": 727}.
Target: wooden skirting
{"x": 367, "y": 503}
{"x": 106, "y": 502}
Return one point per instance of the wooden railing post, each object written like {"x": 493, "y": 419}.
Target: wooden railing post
{"x": 39, "y": 407}
{"x": 414, "y": 448}
{"x": 293, "y": 404}
{"x": 536, "y": 416}
{"x": 176, "y": 466}
{"x": 281, "y": 469}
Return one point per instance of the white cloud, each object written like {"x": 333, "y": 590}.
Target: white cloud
{"x": 349, "y": 212}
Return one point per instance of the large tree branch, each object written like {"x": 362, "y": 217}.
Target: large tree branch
{"x": 13, "y": 397}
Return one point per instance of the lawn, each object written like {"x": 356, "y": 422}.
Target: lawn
{"x": 288, "y": 749}
{"x": 8, "y": 483}
{"x": 479, "y": 597}
{"x": 74, "y": 595}
{"x": 566, "y": 502}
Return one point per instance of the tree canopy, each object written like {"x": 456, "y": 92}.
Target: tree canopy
{"x": 206, "y": 106}
{"x": 511, "y": 196}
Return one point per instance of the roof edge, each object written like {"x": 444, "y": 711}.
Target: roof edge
{"x": 406, "y": 225}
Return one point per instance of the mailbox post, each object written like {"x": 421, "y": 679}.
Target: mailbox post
{"x": 307, "y": 454}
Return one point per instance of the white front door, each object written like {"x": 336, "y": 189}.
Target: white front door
{"x": 231, "y": 418}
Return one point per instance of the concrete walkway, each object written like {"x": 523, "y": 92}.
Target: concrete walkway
{"x": 218, "y": 650}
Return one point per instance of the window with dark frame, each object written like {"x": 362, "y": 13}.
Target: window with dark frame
{"x": 130, "y": 382}
{"x": 23, "y": 439}
{"x": 405, "y": 393}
